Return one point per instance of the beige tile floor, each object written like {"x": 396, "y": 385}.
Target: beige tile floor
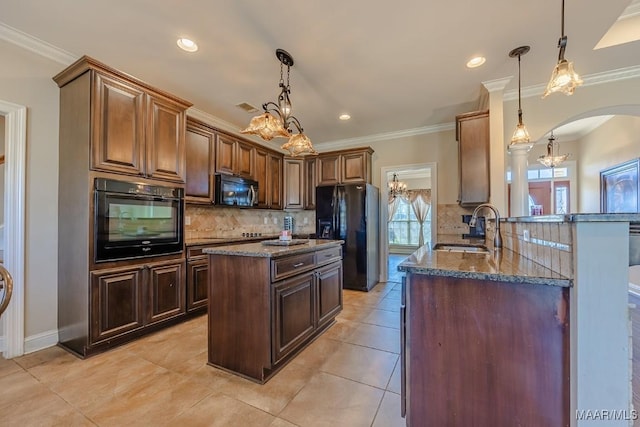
{"x": 348, "y": 377}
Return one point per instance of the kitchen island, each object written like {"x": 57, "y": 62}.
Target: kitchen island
{"x": 268, "y": 300}
{"x": 535, "y": 333}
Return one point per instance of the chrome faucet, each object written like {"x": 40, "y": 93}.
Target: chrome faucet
{"x": 497, "y": 240}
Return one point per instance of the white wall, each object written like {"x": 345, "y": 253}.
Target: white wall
{"x": 2, "y": 169}
{"x": 25, "y": 79}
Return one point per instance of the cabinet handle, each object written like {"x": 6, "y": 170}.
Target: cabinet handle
{"x": 300, "y": 264}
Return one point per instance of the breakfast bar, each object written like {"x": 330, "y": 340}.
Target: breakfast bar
{"x": 268, "y": 300}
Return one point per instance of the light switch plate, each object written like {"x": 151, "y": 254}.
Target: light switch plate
{"x": 187, "y": 220}
{"x": 525, "y": 235}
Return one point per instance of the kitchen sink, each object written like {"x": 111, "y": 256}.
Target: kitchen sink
{"x": 460, "y": 247}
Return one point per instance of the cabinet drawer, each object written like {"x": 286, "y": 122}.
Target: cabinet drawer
{"x": 195, "y": 251}
{"x": 328, "y": 255}
{"x": 292, "y": 265}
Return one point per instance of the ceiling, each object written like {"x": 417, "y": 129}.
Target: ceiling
{"x": 395, "y": 68}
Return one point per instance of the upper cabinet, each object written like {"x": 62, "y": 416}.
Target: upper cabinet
{"x": 132, "y": 128}
{"x": 310, "y": 181}
{"x": 234, "y": 156}
{"x": 200, "y": 152}
{"x": 344, "y": 167}
{"x": 268, "y": 173}
{"x": 294, "y": 186}
{"x": 472, "y": 133}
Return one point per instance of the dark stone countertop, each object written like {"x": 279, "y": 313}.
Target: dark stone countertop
{"x": 257, "y": 249}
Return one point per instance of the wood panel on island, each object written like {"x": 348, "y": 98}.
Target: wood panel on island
{"x": 114, "y": 127}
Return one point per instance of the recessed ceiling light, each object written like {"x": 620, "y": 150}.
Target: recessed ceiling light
{"x": 187, "y": 45}
{"x": 476, "y": 61}
{"x": 344, "y": 117}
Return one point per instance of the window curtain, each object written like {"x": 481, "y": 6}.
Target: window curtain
{"x": 394, "y": 202}
{"x": 420, "y": 201}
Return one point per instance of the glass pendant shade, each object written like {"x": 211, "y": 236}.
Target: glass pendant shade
{"x": 299, "y": 144}
{"x": 520, "y": 135}
{"x": 266, "y": 126}
{"x": 563, "y": 79}
{"x": 551, "y": 160}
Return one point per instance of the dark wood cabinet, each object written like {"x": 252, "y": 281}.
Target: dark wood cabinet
{"x": 310, "y": 182}
{"x": 166, "y": 291}
{"x": 136, "y": 131}
{"x": 263, "y": 311}
{"x": 293, "y": 313}
{"x": 234, "y": 156}
{"x": 116, "y": 302}
{"x": 114, "y": 126}
{"x": 294, "y": 183}
{"x": 274, "y": 180}
{"x": 268, "y": 171}
{"x": 261, "y": 174}
{"x": 200, "y": 154}
{"x": 329, "y": 293}
{"x": 197, "y": 295}
{"x": 472, "y": 134}
{"x": 125, "y": 299}
{"x": 351, "y": 166}
{"x": 501, "y": 339}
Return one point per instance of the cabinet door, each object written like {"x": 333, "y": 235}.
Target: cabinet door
{"x": 165, "y": 140}
{"x": 261, "y": 175}
{"x": 293, "y": 183}
{"x": 310, "y": 182}
{"x": 245, "y": 154}
{"x": 166, "y": 292}
{"x": 329, "y": 169}
{"x": 329, "y": 292}
{"x": 293, "y": 313}
{"x": 225, "y": 154}
{"x": 117, "y": 143}
{"x": 275, "y": 175}
{"x": 200, "y": 144}
{"x": 116, "y": 302}
{"x": 354, "y": 168}
{"x": 473, "y": 157}
{"x": 197, "y": 279}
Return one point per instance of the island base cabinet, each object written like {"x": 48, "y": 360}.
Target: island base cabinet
{"x": 329, "y": 292}
{"x": 485, "y": 353}
{"x": 293, "y": 313}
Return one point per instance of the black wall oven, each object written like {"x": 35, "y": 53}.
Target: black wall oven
{"x": 134, "y": 220}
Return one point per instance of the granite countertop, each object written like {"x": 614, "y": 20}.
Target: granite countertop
{"x": 579, "y": 217}
{"x": 200, "y": 241}
{"x": 257, "y": 249}
{"x": 503, "y": 265}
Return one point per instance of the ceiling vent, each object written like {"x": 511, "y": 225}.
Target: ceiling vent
{"x": 247, "y": 107}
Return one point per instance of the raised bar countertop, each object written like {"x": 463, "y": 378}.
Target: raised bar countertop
{"x": 503, "y": 265}
{"x": 257, "y": 249}
{"x": 579, "y": 217}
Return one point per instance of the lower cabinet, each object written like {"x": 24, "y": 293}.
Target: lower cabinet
{"x": 131, "y": 298}
{"x": 197, "y": 277}
{"x": 329, "y": 292}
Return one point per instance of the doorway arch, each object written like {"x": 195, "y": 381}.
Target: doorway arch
{"x": 14, "y": 215}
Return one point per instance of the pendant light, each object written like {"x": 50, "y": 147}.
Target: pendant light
{"x": 521, "y": 135}
{"x": 552, "y": 159}
{"x": 563, "y": 78}
{"x": 268, "y": 125}
{"x": 397, "y": 188}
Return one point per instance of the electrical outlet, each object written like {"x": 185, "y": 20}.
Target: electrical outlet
{"x": 305, "y": 221}
{"x": 187, "y": 220}
{"x": 525, "y": 235}
{"x": 275, "y": 220}
{"x": 266, "y": 220}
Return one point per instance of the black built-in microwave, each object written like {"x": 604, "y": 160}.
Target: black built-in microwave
{"x": 235, "y": 191}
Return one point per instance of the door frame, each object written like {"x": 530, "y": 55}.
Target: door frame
{"x": 384, "y": 209}
{"x": 14, "y": 231}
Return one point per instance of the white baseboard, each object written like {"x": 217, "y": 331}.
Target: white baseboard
{"x": 40, "y": 341}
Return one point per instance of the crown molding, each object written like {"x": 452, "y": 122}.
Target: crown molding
{"x": 363, "y": 140}
{"x": 589, "y": 80}
{"x": 497, "y": 84}
{"x": 212, "y": 120}
{"x": 33, "y": 44}
{"x": 631, "y": 11}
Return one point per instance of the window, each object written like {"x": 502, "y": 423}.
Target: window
{"x": 404, "y": 228}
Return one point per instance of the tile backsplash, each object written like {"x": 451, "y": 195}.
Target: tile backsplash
{"x": 205, "y": 221}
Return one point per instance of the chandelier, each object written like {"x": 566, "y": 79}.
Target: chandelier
{"x": 397, "y": 188}
{"x": 563, "y": 78}
{"x": 552, "y": 159}
{"x": 276, "y": 121}
{"x": 521, "y": 135}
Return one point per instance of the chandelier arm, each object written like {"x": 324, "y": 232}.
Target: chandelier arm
{"x": 274, "y": 109}
{"x": 296, "y": 122}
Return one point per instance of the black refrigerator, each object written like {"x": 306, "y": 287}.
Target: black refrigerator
{"x": 350, "y": 213}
